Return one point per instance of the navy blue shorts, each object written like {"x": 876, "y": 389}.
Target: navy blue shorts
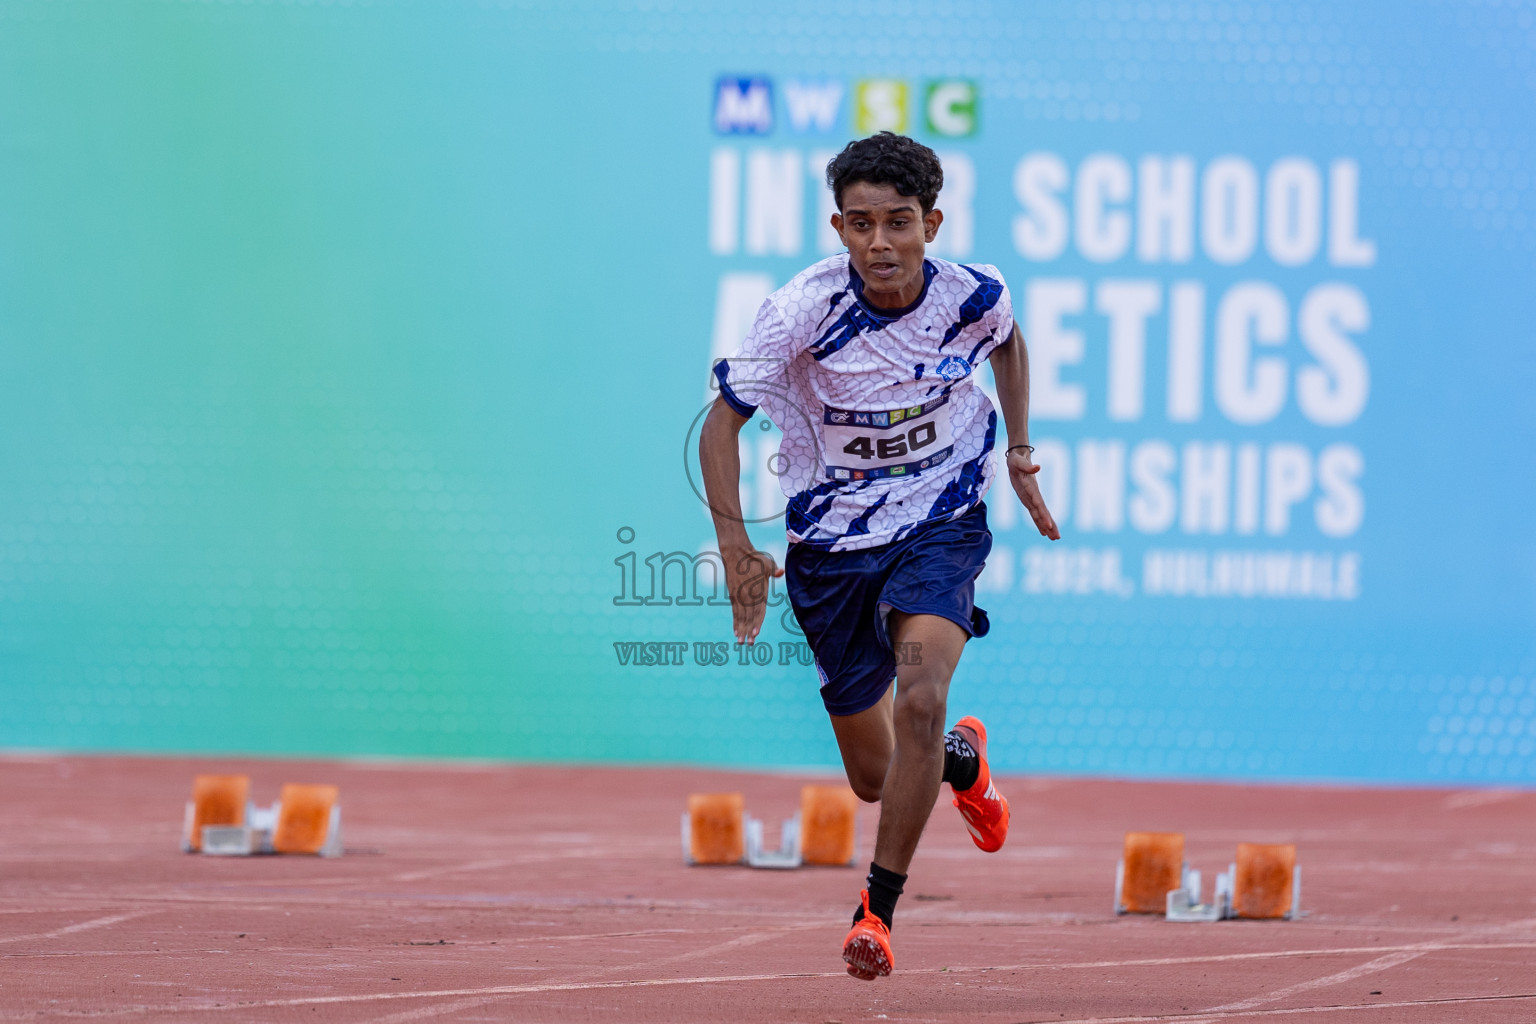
{"x": 841, "y": 599}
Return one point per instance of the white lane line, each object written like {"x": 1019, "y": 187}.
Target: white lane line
{"x": 490, "y": 995}
{"x": 750, "y": 939}
{"x": 1381, "y": 963}
{"x": 454, "y": 869}
{"x": 447, "y": 993}
{"x": 1211, "y": 1017}
{"x": 83, "y": 926}
{"x": 583, "y": 986}
{"x": 428, "y": 1012}
{"x": 1479, "y": 798}
{"x": 279, "y": 897}
{"x": 489, "y": 864}
{"x": 1216, "y": 958}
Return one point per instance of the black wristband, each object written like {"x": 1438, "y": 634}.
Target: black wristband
{"x": 1012, "y": 448}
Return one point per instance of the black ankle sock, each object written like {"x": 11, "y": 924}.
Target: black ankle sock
{"x": 962, "y": 764}
{"x": 884, "y": 888}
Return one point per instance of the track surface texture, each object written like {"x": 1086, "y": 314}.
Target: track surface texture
{"x": 508, "y": 893}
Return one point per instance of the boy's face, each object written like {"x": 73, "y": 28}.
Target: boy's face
{"x": 885, "y": 233}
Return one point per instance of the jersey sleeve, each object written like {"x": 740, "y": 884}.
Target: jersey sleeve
{"x": 1000, "y": 317}
{"x": 760, "y": 367}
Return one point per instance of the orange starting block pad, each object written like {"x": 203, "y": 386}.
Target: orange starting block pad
{"x": 221, "y": 801}
{"x": 828, "y": 825}
{"x": 1151, "y": 866}
{"x": 716, "y": 829}
{"x": 1266, "y": 882}
{"x": 306, "y": 819}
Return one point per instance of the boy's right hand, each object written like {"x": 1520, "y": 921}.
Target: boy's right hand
{"x": 748, "y": 576}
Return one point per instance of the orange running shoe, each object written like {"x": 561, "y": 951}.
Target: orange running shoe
{"x": 984, "y": 809}
{"x": 867, "y": 949}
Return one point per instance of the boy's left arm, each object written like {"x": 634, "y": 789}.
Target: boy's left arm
{"x": 1010, "y": 370}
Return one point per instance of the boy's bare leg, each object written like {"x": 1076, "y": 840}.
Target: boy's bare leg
{"x": 866, "y": 740}
{"x": 912, "y": 780}
{"x": 917, "y": 759}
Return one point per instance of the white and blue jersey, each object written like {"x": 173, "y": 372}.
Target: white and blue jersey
{"x": 885, "y": 428}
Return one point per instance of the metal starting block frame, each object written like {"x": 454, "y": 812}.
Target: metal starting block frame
{"x": 788, "y": 853}
{"x": 1263, "y": 883}
{"x": 717, "y": 830}
{"x": 752, "y": 852}
{"x": 312, "y": 825}
{"x": 1184, "y": 902}
{"x": 255, "y": 836}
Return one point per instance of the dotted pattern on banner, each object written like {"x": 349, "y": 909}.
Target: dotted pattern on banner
{"x": 1110, "y": 62}
{"x": 1117, "y": 62}
{"x": 1482, "y": 728}
{"x": 1098, "y": 693}
{"x": 372, "y": 608}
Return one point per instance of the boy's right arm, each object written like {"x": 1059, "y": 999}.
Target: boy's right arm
{"x": 747, "y": 570}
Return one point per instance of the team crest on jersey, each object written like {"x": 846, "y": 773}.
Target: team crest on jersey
{"x": 952, "y": 368}
{"x": 839, "y": 417}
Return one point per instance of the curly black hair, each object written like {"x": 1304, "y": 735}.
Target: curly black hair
{"x": 909, "y": 167}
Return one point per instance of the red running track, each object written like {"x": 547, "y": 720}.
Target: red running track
{"x": 500, "y": 893}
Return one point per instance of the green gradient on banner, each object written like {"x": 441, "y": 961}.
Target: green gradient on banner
{"x": 348, "y": 353}
{"x": 270, "y": 282}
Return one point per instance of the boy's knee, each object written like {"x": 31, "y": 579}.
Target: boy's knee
{"x": 920, "y": 712}
{"x": 866, "y": 775}
{"x": 867, "y": 790}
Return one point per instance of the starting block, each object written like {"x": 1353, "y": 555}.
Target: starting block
{"x": 221, "y": 820}
{"x": 218, "y": 801}
{"x": 308, "y": 821}
{"x": 716, "y": 829}
{"x": 1151, "y": 867}
{"x": 1266, "y": 882}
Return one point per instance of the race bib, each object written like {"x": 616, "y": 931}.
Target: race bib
{"x": 893, "y": 443}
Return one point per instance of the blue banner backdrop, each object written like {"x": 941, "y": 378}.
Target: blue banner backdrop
{"x": 389, "y": 328}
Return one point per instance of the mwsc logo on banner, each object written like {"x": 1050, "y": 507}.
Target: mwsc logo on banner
{"x": 746, "y": 106}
